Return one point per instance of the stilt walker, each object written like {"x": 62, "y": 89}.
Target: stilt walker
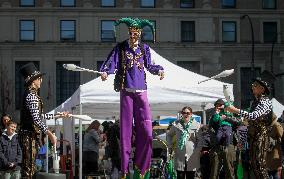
{"x": 128, "y": 60}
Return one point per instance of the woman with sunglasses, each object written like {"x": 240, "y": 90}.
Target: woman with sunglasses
{"x": 259, "y": 117}
{"x": 186, "y": 155}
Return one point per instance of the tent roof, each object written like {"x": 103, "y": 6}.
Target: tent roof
{"x": 179, "y": 88}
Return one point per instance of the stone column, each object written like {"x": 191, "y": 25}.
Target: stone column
{"x": 167, "y": 4}
{"x": 128, "y": 4}
{"x": 87, "y": 4}
{"x": 206, "y": 4}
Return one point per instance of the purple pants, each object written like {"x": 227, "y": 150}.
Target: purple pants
{"x": 135, "y": 105}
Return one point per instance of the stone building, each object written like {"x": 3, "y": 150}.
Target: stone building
{"x": 204, "y": 36}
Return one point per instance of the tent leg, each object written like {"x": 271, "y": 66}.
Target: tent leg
{"x": 80, "y": 144}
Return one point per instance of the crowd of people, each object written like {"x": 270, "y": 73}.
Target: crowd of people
{"x": 236, "y": 143}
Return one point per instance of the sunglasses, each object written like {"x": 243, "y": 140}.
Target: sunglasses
{"x": 134, "y": 33}
{"x": 188, "y": 113}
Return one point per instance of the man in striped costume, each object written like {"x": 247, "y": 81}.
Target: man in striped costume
{"x": 259, "y": 118}
{"x": 32, "y": 116}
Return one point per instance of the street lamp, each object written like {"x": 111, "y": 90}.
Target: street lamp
{"x": 252, "y": 44}
{"x": 272, "y": 50}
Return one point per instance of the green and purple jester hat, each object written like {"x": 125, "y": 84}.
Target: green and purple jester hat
{"x": 136, "y": 24}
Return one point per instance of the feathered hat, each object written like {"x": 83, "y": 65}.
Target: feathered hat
{"x": 136, "y": 23}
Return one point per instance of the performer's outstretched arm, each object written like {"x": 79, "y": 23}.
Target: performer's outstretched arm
{"x": 150, "y": 66}
{"x": 264, "y": 107}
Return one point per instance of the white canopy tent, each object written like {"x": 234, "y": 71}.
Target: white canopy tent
{"x": 179, "y": 88}
{"x": 278, "y": 108}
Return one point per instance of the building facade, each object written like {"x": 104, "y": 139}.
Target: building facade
{"x": 204, "y": 36}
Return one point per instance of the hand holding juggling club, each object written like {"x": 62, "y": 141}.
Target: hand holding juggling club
{"x": 226, "y": 94}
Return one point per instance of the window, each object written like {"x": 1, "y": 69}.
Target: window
{"x": 147, "y": 34}
{"x": 147, "y": 3}
{"x": 187, "y": 31}
{"x": 246, "y": 81}
{"x": 269, "y": 4}
{"x": 27, "y": 30}
{"x": 193, "y": 66}
{"x": 187, "y": 3}
{"x": 20, "y": 82}
{"x": 67, "y": 3}
{"x": 67, "y": 30}
{"x": 27, "y": 3}
{"x": 108, "y": 3}
{"x": 107, "y": 31}
{"x": 228, "y": 3}
{"x": 67, "y": 81}
{"x": 229, "y": 31}
{"x": 269, "y": 32}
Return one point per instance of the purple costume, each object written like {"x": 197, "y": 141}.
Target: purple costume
{"x": 134, "y": 103}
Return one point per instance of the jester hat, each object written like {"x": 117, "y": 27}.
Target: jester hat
{"x": 136, "y": 23}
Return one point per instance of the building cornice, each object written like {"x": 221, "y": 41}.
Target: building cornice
{"x": 141, "y": 11}
{"x": 162, "y": 45}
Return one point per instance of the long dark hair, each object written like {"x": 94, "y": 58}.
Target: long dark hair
{"x": 94, "y": 125}
{"x": 7, "y": 115}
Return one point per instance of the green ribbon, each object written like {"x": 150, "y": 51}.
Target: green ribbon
{"x": 170, "y": 170}
{"x": 184, "y": 133}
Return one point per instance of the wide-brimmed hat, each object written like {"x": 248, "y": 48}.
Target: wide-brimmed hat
{"x": 265, "y": 79}
{"x": 30, "y": 72}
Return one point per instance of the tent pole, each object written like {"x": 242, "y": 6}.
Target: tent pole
{"x": 46, "y": 154}
{"x": 80, "y": 144}
{"x": 203, "y": 113}
{"x": 73, "y": 142}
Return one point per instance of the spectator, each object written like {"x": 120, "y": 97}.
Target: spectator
{"x": 91, "y": 145}
{"x": 204, "y": 153}
{"x": 243, "y": 150}
{"x": 114, "y": 148}
{"x": 186, "y": 154}
{"x": 221, "y": 125}
{"x": 221, "y": 140}
{"x": 10, "y": 153}
{"x": 274, "y": 154}
{"x": 4, "y": 121}
{"x": 41, "y": 158}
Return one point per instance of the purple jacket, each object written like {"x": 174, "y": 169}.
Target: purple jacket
{"x": 135, "y": 65}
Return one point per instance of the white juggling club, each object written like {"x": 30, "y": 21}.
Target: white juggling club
{"x": 73, "y": 67}
{"x": 226, "y": 94}
{"x": 224, "y": 73}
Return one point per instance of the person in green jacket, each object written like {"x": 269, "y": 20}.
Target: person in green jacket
{"x": 222, "y": 127}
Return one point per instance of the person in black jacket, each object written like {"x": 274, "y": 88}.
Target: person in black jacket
{"x": 10, "y": 153}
